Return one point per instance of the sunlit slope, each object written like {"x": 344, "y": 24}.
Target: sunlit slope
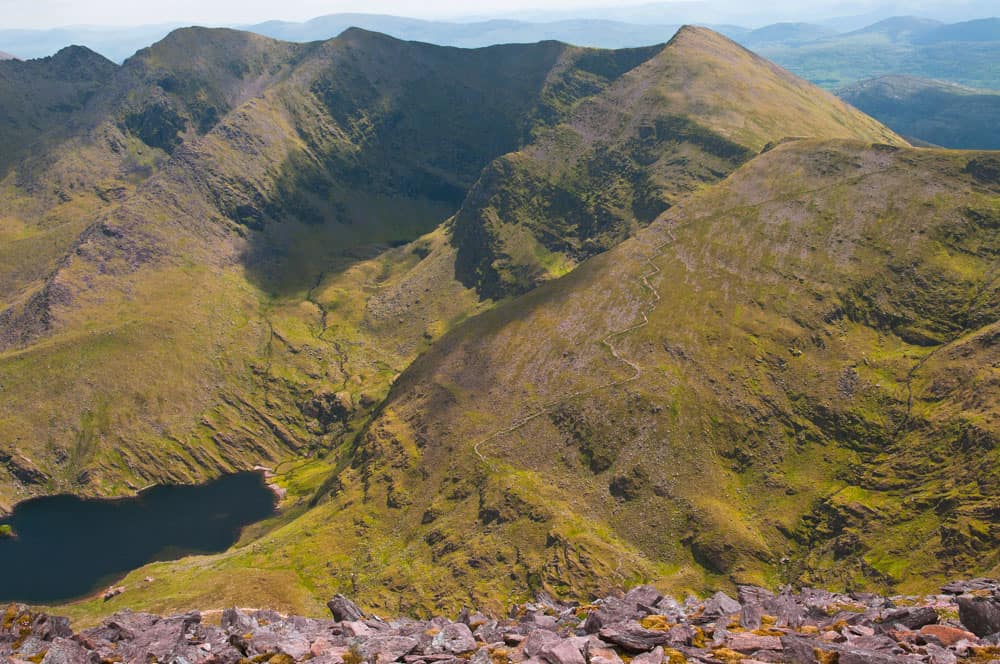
{"x": 813, "y": 399}
{"x": 679, "y": 121}
{"x": 794, "y": 409}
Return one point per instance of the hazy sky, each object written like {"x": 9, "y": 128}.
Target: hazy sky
{"x": 51, "y": 13}
{"x": 55, "y": 13}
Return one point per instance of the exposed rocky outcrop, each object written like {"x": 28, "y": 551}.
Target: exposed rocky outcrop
{"x": 642, "y": 627}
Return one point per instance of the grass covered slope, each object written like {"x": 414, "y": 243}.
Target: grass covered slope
{"x": 791, "y": 411}
{"x": 169, "y": 317}
{"x": 672, "y": 124}
{"x": 935, "y": 112}
{"x": 812, "y": 400}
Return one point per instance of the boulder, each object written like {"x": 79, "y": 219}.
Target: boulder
{"x": 609, "y": 612}
{"x": 634, "y": 637}
{"x": 344, "y": 610}
{"x": 386, "y": 648}
{"x": 563, "y": 652}
{"x": 720, "y": 604}
{"x": 750, "y": 642}
{"x": 538, "y": 640}
{"x": 980, "y": 615}
{"x": 946, "y": 634}
{"x": 653, "y": 657}
{"x": 913, "y": 617}
{"x": 455, "y": 638}
{"x": 598, "y": 654}
{"x": 67, "y": 651}
{"x": 971, "y": 585}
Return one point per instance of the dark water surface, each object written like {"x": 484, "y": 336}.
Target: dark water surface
{"x": 67, "y": 547}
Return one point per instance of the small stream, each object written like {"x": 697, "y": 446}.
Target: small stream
{"x": 67, "y": 547}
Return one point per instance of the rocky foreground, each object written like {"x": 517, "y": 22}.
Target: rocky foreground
{"x": 639, "y": 627}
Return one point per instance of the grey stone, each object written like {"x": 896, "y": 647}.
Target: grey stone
{"x": 66, "y": 651}
{"x": 563, "y": 652}
{"x": 720, "y": 604}
{"x": 980, "y": 615}
{"x": 344, "y": 609}
{"x": 653, "y": 657}
{"x": 455, "y": 638}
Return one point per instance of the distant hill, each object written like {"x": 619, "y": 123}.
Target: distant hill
{"x": 895, "y": 29}
{"x": 584, "y": 32}
{"x": 982, "y": 30}
{"x": 785, "y": 33}
{"x": 7, "y": 56}
{"x": 961, "y": 53}
{"x": 932, "y": 111}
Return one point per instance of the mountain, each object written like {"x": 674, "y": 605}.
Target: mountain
{"x": 981, "y": 30}
{"x": 896, "y": 29}
{"x": 41, "y": 95}
{"x": 584, "y": 32}
{"x": 931, "y": 111}
{"x": 784, "y": 33}
{"x": 6, "y": 56}
{"x": 513, "y": 319}
{"x": 258, "y": 252}
{"x": 626, "y": 155}
{"x": 114, "y": 43}
{"x": 902, "y": 45}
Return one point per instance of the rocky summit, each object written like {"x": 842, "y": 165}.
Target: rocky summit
{"x": 641, "y": 626}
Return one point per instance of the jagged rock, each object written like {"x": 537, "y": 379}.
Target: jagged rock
{"x": 719, "y": 605}
{"x": 563, "y": 652}
{"x": 751, "y": 616}
{"x": 538, "y": 641}
{"x": 878, "y": 632}
{"x": 971, "y": 585}
{"x": 910, "y": 617}
{"x": 608, "y": 612}
{"x": 455, "y": 638}
{"x": 382, "y": 649}
{"x": 344, "y": 610}
{"x": 234, "y": 620}
{"x": 750, "y": 642}
{"x": 598, "y": 654}
{"x": 644, "y": 599}
{"x": 946, "y": 634}
{"x": 634, "y": 637}
{"x": 654, "y": 657}
{"x": 67, "y": 651}
{"x": 981, "y": 615}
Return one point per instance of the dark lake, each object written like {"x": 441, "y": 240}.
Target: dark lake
{"x": 67, "y": 547}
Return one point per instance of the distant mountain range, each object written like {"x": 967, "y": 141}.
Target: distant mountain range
{"x": 930, "y": 111}
{"x": 826, "y": 55}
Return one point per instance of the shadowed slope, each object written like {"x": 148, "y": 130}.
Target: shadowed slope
{"x": 183, "y": 308}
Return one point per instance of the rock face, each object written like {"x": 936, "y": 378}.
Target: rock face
{"x": 642, "y": 627}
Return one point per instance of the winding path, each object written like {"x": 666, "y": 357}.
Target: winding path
{"x": 607, "y": 341}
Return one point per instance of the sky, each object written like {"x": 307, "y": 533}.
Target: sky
{"x": 57, "y": 13}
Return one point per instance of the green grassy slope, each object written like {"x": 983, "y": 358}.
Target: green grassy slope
{"x": 939, "y": 113}
{"x": 168, "y": 306}
{"x": 276, "y": 286}
{"x": 812, "y": 400}
{"x": 677, "y": 122}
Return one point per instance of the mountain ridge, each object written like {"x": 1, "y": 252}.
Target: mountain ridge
{"x": 515, "y": 319}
